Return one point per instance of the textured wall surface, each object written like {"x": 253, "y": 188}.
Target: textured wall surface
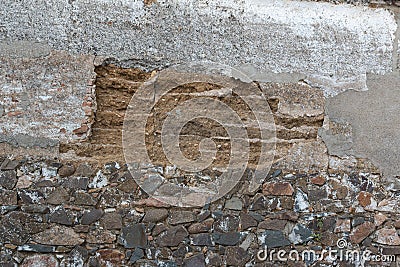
{"x": 328, "y": 75}
{"x": 276, "y": 36}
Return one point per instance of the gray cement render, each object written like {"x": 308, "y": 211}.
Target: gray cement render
{"x": 375, "y": 123}
{"x": 273, "y": 36}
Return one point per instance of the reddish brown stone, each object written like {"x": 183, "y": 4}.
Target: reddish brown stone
{"x": 319, "y": 180}
{"x": 388, "y": 236}
{"x": 342, "y": 225}
{"x": 100, "y": 237}
{"x": 364, "y": 198}
{"x": 341, "y": 192}
{"x": 379, "y": 219}
{"x": 58, "y": 235}
{"x": 361, "y": 232}
{"x": 82, "y": 130}
{"x": 201, "y": 227}
{"x": 151, "y": 202}
{"x": 272, "y": 224}
{"x": 40, "y": 261}
{"x": 288, "y": 215}
{"x": 247, "y": 221}
{"x": 278, "y": 189}
{"x": 110, "y": 257}
{"x": 155, "y": 215}
{"x": 329, "y": 239}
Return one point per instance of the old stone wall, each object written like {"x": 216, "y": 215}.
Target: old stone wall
{"x": 323, "y": 76}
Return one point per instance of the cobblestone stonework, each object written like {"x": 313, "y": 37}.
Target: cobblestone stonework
{"x": 57, "y": 214}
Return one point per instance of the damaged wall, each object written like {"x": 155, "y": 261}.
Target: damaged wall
{"x": 68, "y": 70}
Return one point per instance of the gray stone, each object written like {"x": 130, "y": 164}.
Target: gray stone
{"x": 133, "y": 236}
{"x": 151, "y": 183}
{"x": 158, "y": 229}
{"x": 136, "y": 255}
{"x": 58, "y": 196}
{"x": 37, "y": 248}
{"x": 99, "y": 181}
{"x": 214, "y": 259}
{"x": 172, "y": 237}
{"x": 8, "y": 165}
{"x": 6, "y": 209}
{"x": 273, "y": 224}
{"x": 35, "y": 208}
{"x": 300, "y": 234}
{"x": 76, "y": 183}
{"x": 84, "y": 199}
{"x": 203, "y": 239}
{"x": 317, "y": 194}
{"x": 259, "y": 203}
{"x": 227, "y": 223}
{"x": 8, "y": 197}
{"x": 227, "y": 239}
{"x": 273, "y": 239}
{"x": 203, "y": 215}
{"x": 250, "y": 237}
{"x": 84, "y": 170}
{"x": 91, "y": 216}
{"x": 165, "y": 264}
{"x": 31, "y": 196}
{"x": 17, "y": 227}
{"x": 49, "y": 172}
{"x": 181, "y": 216}
{"x": 234, "y": 204}
{"x": 60, "y": 216}
{"x": 195, "y": 261}
{"x": 357, "y": 221}
{"x": 8, "y": 179}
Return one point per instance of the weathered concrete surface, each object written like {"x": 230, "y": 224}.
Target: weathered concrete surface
{"x": 329, "y": 46}
{"x": 23, "y": 49}
{"x": 47, "y": 99}
{"x": 275, "y": 36}
{"x": 370, "y": 123}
